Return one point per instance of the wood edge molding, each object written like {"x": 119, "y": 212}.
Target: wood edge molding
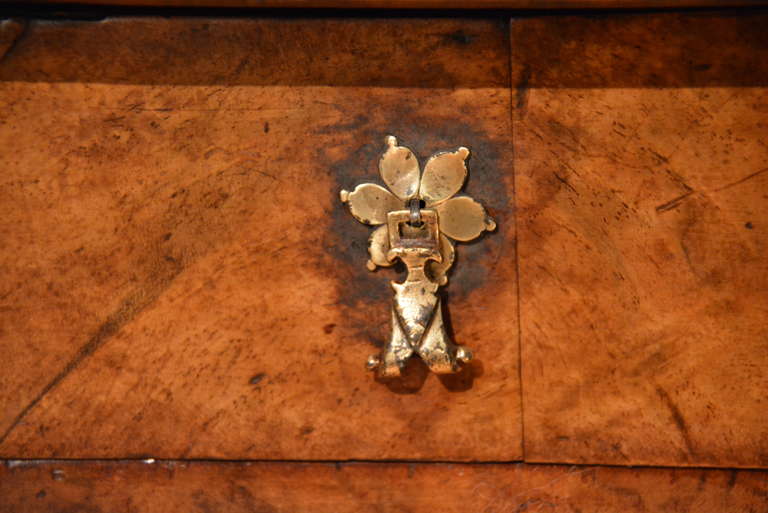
{"x": 160, "y": 486}
{"x": 411, "y": 4}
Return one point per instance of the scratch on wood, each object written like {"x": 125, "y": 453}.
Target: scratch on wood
{"x": 742, "y": 180}
{"x": 671, "y": 204}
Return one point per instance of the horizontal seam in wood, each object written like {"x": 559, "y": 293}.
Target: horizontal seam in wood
{"x": 20, "y": 462}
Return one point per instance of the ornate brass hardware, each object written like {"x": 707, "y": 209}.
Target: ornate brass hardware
{"x": 417, "y": 221}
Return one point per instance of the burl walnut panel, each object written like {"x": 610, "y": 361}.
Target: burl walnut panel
{"x": 641, "y": 164}
{"x": 180, "y": 277}
{"x": 357, "y": 487}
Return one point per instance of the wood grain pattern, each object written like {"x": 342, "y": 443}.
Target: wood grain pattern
{"x": 289, "y": 51}
{"x": 642, "y": 175}
{"x": 340, "y": 488}
{"x": 181, "y": 279}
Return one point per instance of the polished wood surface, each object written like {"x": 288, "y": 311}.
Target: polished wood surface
{"x": 364, "y": 487}
{"x": 642, "y": 189}
{"x": 182, "y": 279}
{"x": 165, "y": 180}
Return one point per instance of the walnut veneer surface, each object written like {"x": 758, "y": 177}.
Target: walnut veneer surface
{"x": 182, "y": 282}
{"x": 641, "y": 162}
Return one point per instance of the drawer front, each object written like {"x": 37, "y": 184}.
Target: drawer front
{"x": 184, "y": 281}
{"x": 641, "y": 165}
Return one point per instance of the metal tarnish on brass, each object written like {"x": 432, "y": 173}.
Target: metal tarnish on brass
{"x": 416, "y": 222}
